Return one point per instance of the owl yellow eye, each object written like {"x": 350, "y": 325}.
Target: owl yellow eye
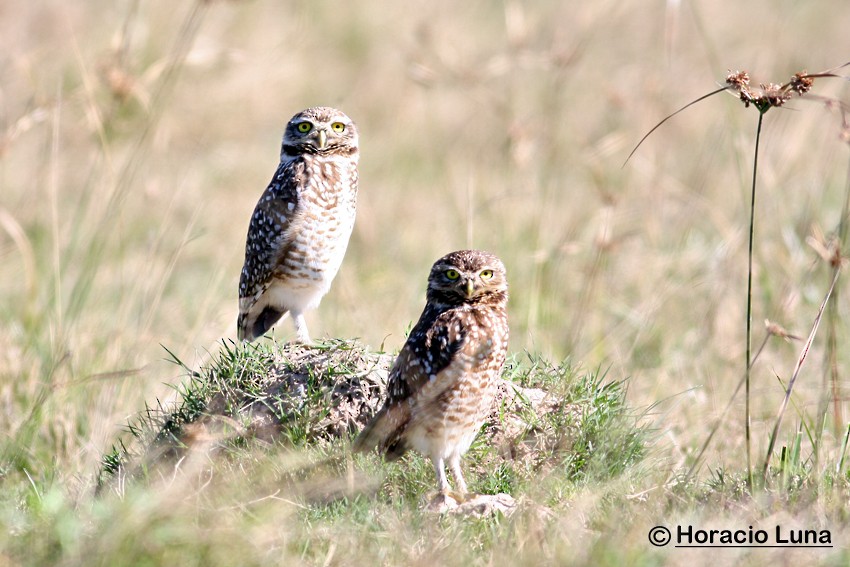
{"x": 304, "y": 127}
{"x": 338, "y": 127}
{"x": 452, "y": 274}
{"x": 486, "y": 274}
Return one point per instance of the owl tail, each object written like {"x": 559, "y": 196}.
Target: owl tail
{"x": 254, "y": 323}
{"x": 385, "y": 432}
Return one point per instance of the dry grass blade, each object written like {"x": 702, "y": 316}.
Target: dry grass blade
{"x": 802, "y": 358}
{"x": 773, "y": 330}
{"x": 668, "y": 117}
{"x": 16, "y": 232}
{"x": 832, "y": 72}
{"x": 92, "y": 262}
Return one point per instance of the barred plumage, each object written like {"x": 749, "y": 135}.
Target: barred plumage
{"x": 443, "y": 383}
{"x": 302, "y": 223}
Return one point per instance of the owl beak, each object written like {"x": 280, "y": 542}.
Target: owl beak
{"x": 323, "y": 139}
{"x": 470, "y": 288}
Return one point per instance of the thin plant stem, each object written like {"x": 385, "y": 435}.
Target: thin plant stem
{"x": 750, "y": 306}
{"x": 800, "y": 360}
{"x": 668, "y": 117}
{"x": 96, "y": 246}
{"x": 722, "y": 417}
{"x": 589, "y": 285}
{"x": 831, "y": 379}
{"x": 842, "y": 243}
{"x": 845, "y": 211}
{"x": 840, "y": 466}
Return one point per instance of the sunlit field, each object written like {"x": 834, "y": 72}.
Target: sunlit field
{"x": 136, "y": 137}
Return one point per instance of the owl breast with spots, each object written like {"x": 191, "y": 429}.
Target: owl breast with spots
{"x": 324, "y": 219}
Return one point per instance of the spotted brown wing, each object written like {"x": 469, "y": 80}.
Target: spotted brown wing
{"x": 266, "y": 242}
{"x": 418, "y": 373}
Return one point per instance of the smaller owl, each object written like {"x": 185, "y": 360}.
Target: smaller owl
{"x": 443, "y": 383}
{"x": 301, "y": 225}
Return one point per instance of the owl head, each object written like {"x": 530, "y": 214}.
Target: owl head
{"x": 468, "y": 277}
{"x": 320, "y": 130}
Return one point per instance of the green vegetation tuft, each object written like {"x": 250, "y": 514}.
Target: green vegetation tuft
{"x": 255, "y": 397}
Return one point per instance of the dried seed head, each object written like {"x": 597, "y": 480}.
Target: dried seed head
{"x": 773, "y": 95}
{"x": 747, "y": 98}
{"x": 829, "y": 249}
{"x": 778, "y": 330}
{"x": 738, "y": 80}
{"x": 836, "y": 260}
{"x": 117, "y": 79}
{"x": 768, "y": 95}
{"x": 801, "y": 83}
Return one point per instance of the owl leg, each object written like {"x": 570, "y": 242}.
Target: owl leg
{"x": 447, "y": 499}
{"x": 454, "y": 463}
{"x": 440, "y": 469}
{"x": 301, "y": 328}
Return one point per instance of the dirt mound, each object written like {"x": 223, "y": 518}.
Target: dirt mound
{"x": 315, "y": 394}
{"x": 322, "y": 396}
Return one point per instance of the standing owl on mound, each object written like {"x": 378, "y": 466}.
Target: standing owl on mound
{"x": 301, "y": 225}
{"x": 443, "y": 383}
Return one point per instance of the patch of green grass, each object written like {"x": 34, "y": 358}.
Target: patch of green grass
{"x": 587, "y": 432}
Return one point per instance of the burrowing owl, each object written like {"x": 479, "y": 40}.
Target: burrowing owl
{"x": 443, "y": 383}
{"x": 301, "y": 225}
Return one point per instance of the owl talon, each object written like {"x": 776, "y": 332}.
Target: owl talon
{"x": 444, "y": 501}
{"x": 458, "y": 497}
{"x": 468, "y": 496}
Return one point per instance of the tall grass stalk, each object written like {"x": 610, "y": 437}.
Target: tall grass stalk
{"x": 126, "y": 179}
{"x": 747, "y": 415}
{"x": 800, "y": 360}
{"x": 832, "y": 253}
{"x": 77, "y": 250}
{"x": 698, "y": 460}
{"x": 833, "y": 307}
{"x": 840, "y": 465}
{"x": 764, "y": 98}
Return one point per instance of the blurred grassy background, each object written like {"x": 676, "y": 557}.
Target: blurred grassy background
{"x": 135, "y": 138}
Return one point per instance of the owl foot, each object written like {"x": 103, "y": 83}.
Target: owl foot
{"x": 477, "y": 505}
{"x": 444, "y": 501}
{"x": 447, "y": 500}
